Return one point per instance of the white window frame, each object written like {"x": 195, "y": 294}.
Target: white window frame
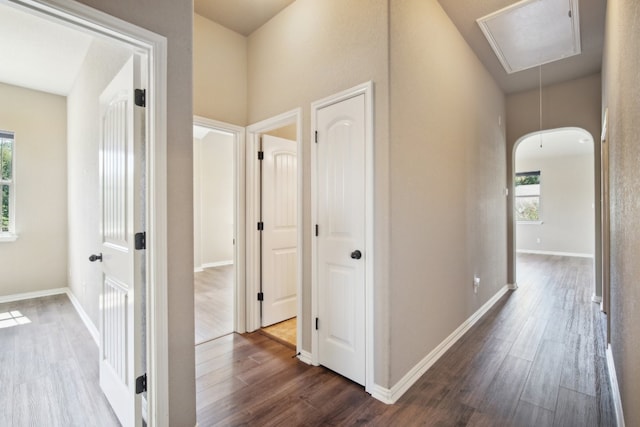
{"x": 10, "y": 235}
{"x": 516, "y": 196}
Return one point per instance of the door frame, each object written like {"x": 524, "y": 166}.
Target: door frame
{"x": 367, "y": 90}
{"x": 253, "y": 216}
{"x": 153, "y": 49}
{"x": 239, "y": 227}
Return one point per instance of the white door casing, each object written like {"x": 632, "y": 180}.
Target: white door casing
{"x": 341, "y": 247}
{"x": 121, "y": 148}
{"x": 279, "y": 236}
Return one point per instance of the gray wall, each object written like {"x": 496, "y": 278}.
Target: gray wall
{"x": 622, "y": 97}
{"x": 576, "y": 103}
{"x": 173, "y": 19}
{"x": 37, "y": 260}
{"x": 447, "y": 169}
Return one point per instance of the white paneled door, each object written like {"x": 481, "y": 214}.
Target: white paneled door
{"x": 121, "y": 151}
{"x": 279, "y": 236}
{"x": 340, "y": 206}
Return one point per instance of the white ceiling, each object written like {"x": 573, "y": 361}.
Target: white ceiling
{"x": 241, "y": 16}
{"x": 39, "y": 54}
{"x": 592, "y": 15}
{"x": 555, "y": 143}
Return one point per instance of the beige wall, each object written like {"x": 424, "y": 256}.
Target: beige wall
{"x": 567, "y": 206}
{"x": 213, "y": 199}
{"x": 576, "y": 103}
{"x": 309, "y": 51}
{"x": 101, "y": 64}
{"x": 622, "y": 97}
{"x": 447, "y": 180}
{"x": 219, "y": 72}
{"x": 37, "y": 260}
{"x": 173, "y": 19}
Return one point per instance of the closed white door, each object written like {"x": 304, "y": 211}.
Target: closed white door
{"x": 341, "y": 237}
{"x": 121, "y": 147}
{"x": 279, "y": 235}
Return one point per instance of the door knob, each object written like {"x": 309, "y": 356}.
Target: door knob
{"x": 356, "y": 254}
{"x": 94, "y": 258}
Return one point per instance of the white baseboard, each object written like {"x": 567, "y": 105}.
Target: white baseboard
{"x": 574, "y": 254}
{"x": 595, "y": 298}
{"x": 512, "y": 286}
{"x": 392, "y": 395}
{"x": 30, "y": 295}
{"x": 216, "y": 264}
{"x": 615, "y": 390}
{"x": 84, "y": 316}
{"x": 305, "y": 357}
{"x": 198, "y": 270}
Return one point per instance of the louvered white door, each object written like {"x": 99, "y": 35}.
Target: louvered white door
{"x": 279, "y": 237}
{"x": 341, "y": 237}
{"x": 121, "y": 147}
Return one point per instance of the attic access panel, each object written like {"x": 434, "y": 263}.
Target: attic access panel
{"x": 530, "y": 33}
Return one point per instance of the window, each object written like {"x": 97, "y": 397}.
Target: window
{"x": 527, "y": 201}
{"x": 7, "y": 185}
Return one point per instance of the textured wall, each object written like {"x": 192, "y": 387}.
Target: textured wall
{"x": 575, "y": 103}
{"x": 35, "y": 261}
{"x": 311, "y": 50}
{"x": 447, "y": 154}
{"x": 219, "y": 72}
{"x": 622, "y": 98}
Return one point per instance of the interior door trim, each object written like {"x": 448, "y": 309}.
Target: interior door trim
{"x": 366, "y": 89}
{"x": 253, "y": 216}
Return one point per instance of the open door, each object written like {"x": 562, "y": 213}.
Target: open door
{"x": 279, "y": 235}
{"x": 121, "y": 195}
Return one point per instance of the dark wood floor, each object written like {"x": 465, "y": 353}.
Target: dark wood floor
{"x": 213, "y": 303}
{"x": 536, "y": 359}
{"x": 49, "y": 367}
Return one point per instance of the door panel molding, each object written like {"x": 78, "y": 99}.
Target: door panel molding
{"x": 366, "y": 89}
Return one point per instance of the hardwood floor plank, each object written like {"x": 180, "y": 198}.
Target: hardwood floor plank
{"x": 541, "y": 388}
{"x": 575, "y": 409}
{"x": 528, "y": 341}
{"x": 528, "y": 415}
{"x": 503, "y": 395}
{"x": 578, "y": 371}
{"x": 213, "y": 303}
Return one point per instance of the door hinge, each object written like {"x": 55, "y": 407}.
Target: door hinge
{"x": 141, "y": 384}
{"x": 141, "y": 240}
{"x": 316, "y": 137}
{"x": 260, "y": 226}
{"x": 316, "y": 230}
{"x": 140, "y": 97}
{"x": 317, "y": 323}
{"x": 260, "y": 155}
{"x": 260, "y": 296}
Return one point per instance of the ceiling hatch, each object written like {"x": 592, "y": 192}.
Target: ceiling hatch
{"x": 530, "y": 33}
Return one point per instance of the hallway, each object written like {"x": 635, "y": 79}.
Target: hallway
{"x": 536, "y": 359}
